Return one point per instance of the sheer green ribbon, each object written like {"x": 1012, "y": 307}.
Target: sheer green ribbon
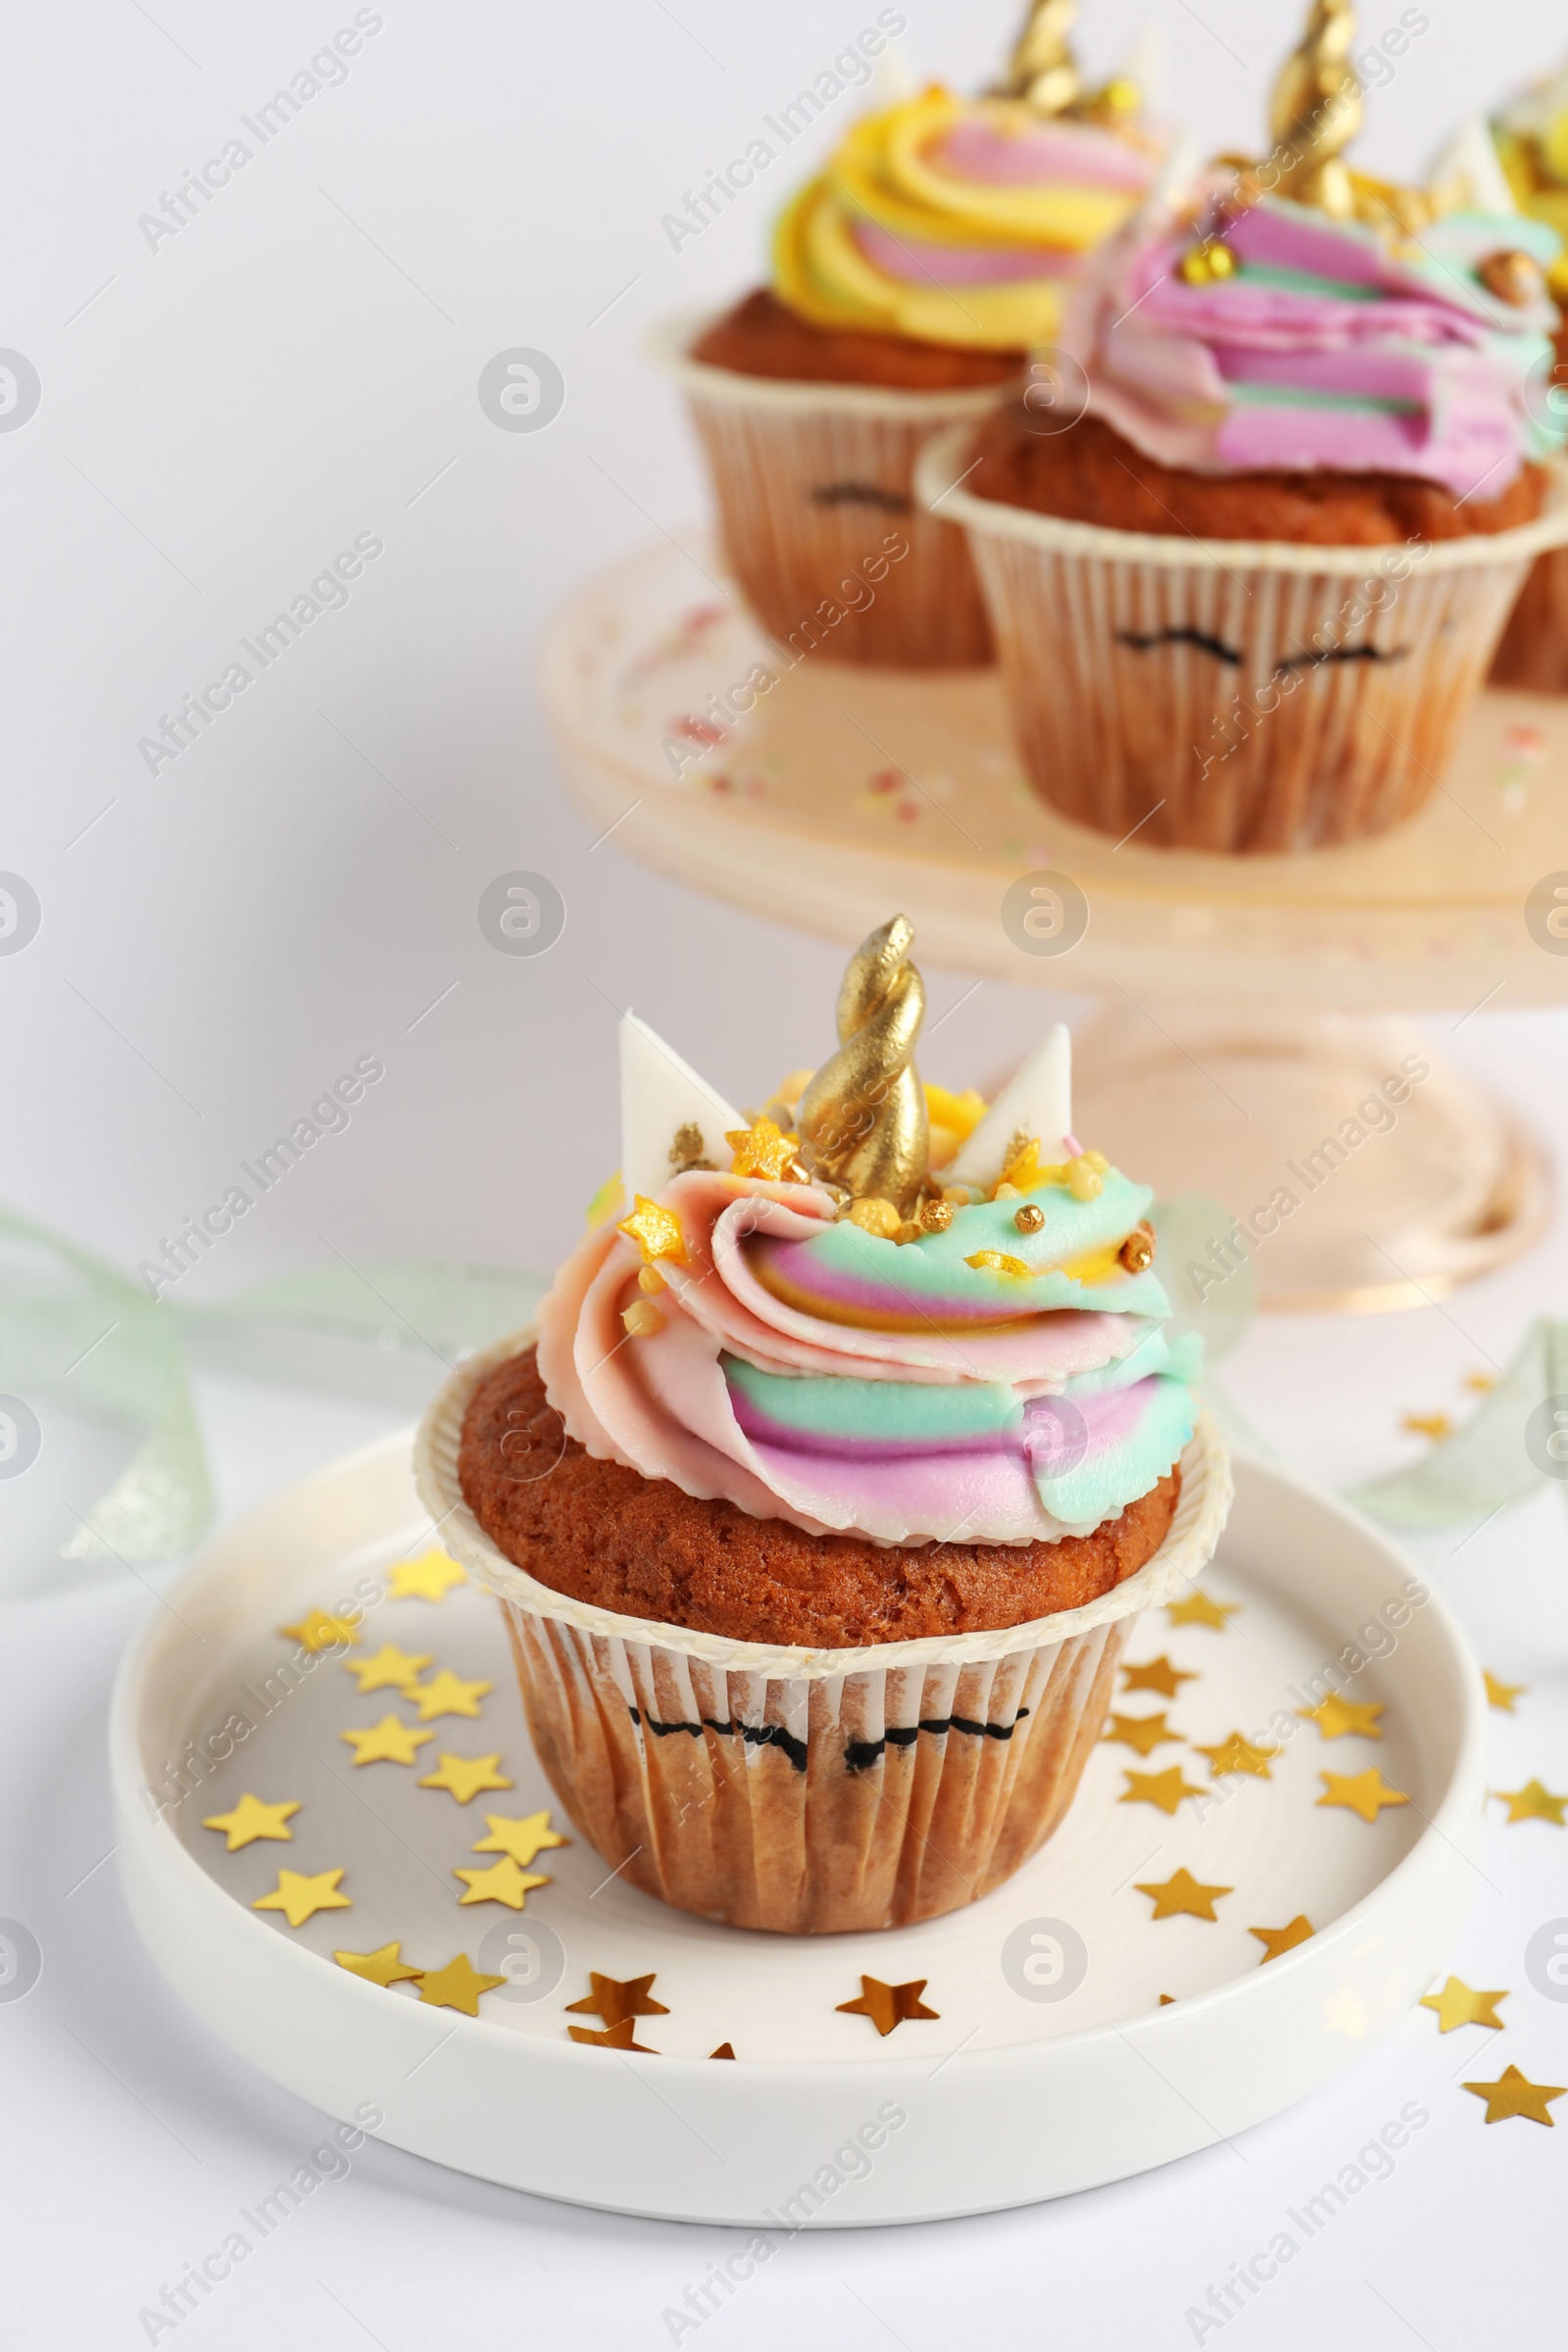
{"x": 75, "y": 1329}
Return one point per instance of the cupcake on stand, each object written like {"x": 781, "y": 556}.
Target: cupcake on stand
{"x": 910, "y": 281}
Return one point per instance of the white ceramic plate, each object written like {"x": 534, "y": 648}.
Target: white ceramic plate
{"x": 1018, "y": 2089}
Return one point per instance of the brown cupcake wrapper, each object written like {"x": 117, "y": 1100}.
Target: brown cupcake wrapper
{"x": 811, "y": 1790}
{"x": 1533, "y": 652}
{"x": 1225, "y": 696}
{"x": 812, "y": 481}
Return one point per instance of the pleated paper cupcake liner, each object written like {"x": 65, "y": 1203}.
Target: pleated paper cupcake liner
{"x": 1534, "y": 652}
{"x": 811, "y": 1790}
{"x": 1229, "y": 696}
{"x": 815, "y": 490}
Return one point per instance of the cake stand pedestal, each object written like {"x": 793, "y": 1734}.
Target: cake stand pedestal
{"x": 1250, "y": 1002}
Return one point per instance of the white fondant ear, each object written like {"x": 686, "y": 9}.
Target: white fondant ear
{"x": 1145, "y": 64}
{"x": 660, "y": 1094}
{"x": 1036, "y": 1099}
{"x": 1470, "y": 160}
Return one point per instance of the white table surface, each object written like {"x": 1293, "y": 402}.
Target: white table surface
{"x": 218, "y": 417}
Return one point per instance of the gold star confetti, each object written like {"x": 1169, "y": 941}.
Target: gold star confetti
{"x": 615, "y": 2000}
{"x": 521, "y": 1839}
{"x": 762, "y": 1150}
{"x": 1238, "y": 1754}
{"x": 463, "y": 1777}
{"x": 1337, "y": 1717}
{"x": 1436, "y": 1426}
{"x": 456, "y": 1986}
{"x": 299, "y": 1899}
{"x": 655, "y": 1231}
{"x": 1363, "y": 1792}
{"x": 888, "y": 2006}
{"x": 1199, "y": 1610}
{"x": 1514, "y": 2094}
{"x": 318, "y": 1632}
{"x": 1167, "y": 2000}
{"x": 389, "y": 1742}
{"x": 1531, "y": 1802}
{"x": 725, "y": 2049}
{"x": 385, "y": 1967}
{"x": 253, "y": 1818}
{"x": 1283, "y": 1939}
{"x": 1503, "y": 1695}
{"x": 1162, "y": 1788}
{"x": 622, "y": 2036}
{"x": 501, "y": 1883}
{"x": 1156, "y": 1673}
{"x": 1184, "y": 1892}
{"x": 1481, "y": 1382}
{"x": 1459, "y": 2004}
{"x": 1145, "y": 1732}
{"x": 445, "y": 1693}
{"x": 391, "y": 1669}
{"x": 431, "y": 1576}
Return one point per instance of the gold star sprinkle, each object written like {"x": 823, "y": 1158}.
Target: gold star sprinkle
{"x": 1363, "y": 1792}
{"x": 1514, "y": 2094}
{"x": 1459, "y": 2004}
{"x": 1145, "y": 1732}
{"x": 431, "y": 1576}
{"x": 385, "y": 1967}
{"x": 725, "y": 2049}
{"x": 1531, "y": 1802}
{"x": 614, "y": 2038}
{"x": 445, "y": 1695}
{"x": 391, "y": 1669}
{"x": 657, "y": 1232}
{"x": 1162, "y": 1788}
{"x": 762, "y": 1150}
{"x": 1283, "y": 1939}
{"x": 1199, "y": 1610}
{"x": 456, "y": 1986}
{"x": 299, "y": 1899}
{"x": 1436, "y": 1426}
{"x": 250, "y": 1819}
{"x": 615, "y": 2000}
{"x": 1503, "y": 1695}
{"x": 1337, "y": 1717}
{"x": 1156, "y": 1673}
{"x": 463, "y": 1777}
{"x": 889, "y": 2005}
{"x": 318, "y": 1632}
{"x": 1184, "y": 1893}
{"x": 389, "y": 1742}
{"x": 1236, "y": 1755}
{"x": 501, "y": 1883}
{"x": 520, "y": 1838}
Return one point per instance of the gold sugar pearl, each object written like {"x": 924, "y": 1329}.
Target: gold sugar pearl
{"x": 936, "y": 1215}
{"x": 873, "y": 1216}
{"x": 652, "y": 1281}
{"x": 1136, "y": 1253}
{"x": 1512, "y": 277}
{"x": 642, "y": 1319}
{"x": 1030, "y": 1218}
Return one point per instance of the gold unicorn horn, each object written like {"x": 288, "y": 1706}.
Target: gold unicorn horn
{"x": 1316, "y": 111}
{"x": 1041, "y": 70}
{"x": 863, "y": 1115}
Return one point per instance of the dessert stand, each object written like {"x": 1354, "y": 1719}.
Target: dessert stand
{"x": 1252, "y": 1004}
{"x": 1039, "y": 2074}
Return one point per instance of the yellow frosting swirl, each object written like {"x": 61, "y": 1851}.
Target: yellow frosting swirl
{"x": 957, "y": 221}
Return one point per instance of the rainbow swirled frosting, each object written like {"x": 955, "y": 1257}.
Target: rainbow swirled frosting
{"x": 739, "y": 1336}
{"x": 957, "y": 221}
{"x": 1322, "y": 342}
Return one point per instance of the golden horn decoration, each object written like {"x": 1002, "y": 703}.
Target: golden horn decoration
{"x": 1316, "y": 111}
{"x": 862, "y": 1117}
{"x": 1042, "y": 69}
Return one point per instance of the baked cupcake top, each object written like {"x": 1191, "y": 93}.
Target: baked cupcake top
{"x": 1295, "y": 316}
{"x": 1532, "y": 142}
{"x": 959, "y": 221}
{"x": 872, "y": 1308}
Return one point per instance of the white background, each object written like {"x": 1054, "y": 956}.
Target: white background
{"x": 298, "y": 366}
